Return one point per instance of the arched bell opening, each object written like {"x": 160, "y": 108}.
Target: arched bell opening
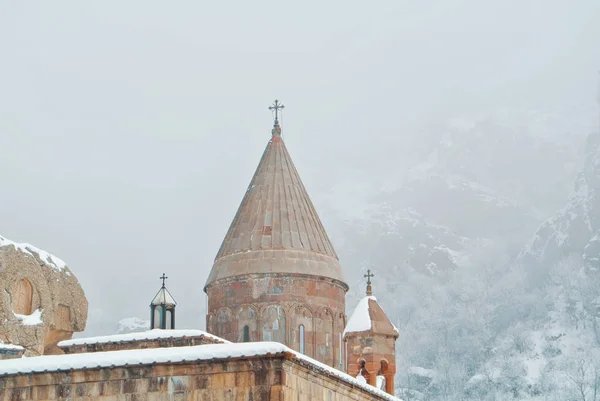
{"x": 386, "y": 383}
{"x": 162, "y": 317}
{"x": 363, "y": 372}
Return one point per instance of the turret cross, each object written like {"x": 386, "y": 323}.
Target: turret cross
{"x": 276, "y": 106}
{"x": 368, "y": 276}
{"x": 163, "y": 278}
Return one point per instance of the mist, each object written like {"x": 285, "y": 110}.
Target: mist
{"x": 129, "y": 131}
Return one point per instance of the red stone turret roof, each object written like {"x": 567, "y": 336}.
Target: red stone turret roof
{"x": 276, "y": 228}
{"x": 368, "y": 317}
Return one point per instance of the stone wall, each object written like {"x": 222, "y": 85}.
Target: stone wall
{"x": 141, "y": 344}
{"x": 375, "y": 355}
{"x": 277, "y": 377}
{"x": 273, "y": 307}
{"x": 301, "y": 384}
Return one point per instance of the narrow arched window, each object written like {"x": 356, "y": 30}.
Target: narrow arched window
{"x": 341, "y": 353}
{"x": 161, "y": 317}
{"x": 23, "y": 298}
{"x": 168, "y": 319}
{"x": 246, "y": 334}
{"x": 301, "y": 339}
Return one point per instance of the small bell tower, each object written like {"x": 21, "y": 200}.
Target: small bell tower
{"x": 162, "y": 308}
{"x": 370, "y": 339}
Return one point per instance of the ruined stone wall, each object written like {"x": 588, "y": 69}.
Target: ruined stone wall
{"x": 273, "y": 307}
{"x": 30, "y": 286}
{"x": 258, "y": 379}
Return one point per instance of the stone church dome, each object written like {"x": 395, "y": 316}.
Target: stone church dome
{"x": 276, "y": 276}
{"x": 276, "y": 228}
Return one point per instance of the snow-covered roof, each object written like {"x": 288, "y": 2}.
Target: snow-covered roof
{"x": 145, "y": 335}
{"x": 170, "y": 355}
{"x": 46, "y": 257}
{"x": 10, "y": 347}
{"x": 360, "y": 319}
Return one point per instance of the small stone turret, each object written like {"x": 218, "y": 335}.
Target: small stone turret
{"x": 370, "y": 339}
{"x": 162, "y": 308}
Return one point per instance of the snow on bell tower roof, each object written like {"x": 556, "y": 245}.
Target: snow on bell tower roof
{"x": 276, "y": 228}
{"x": 369, "y": 317}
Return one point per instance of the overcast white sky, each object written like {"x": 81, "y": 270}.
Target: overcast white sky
{"x": 130, "y": 130}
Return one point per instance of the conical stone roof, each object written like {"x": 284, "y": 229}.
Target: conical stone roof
{"x": 276, "y": 228}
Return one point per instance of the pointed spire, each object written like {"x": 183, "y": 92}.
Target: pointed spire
{"x": 276, "y": 228}
{"x": 369, "y": 317}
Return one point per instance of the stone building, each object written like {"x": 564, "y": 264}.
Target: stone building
{"x": 277, "y": 276}
{"x": 370, "y": 339}
{"x": 276, "y": 323}
{"x": 41, "y": 301}
{"x": 171, "y": 364}
{"x": 265, "y": 371}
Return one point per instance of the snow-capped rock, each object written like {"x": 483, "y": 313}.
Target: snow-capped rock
{"x": 132, "y": 325}
{"x": 575, "y": 229}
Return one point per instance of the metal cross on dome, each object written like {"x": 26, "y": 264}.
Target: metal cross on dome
{"x": 163, "y": 278}
{"x": 368, "y": 276}
{"x": 276, "y": 106}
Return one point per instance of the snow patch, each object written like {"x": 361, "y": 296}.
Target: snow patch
{"x": 132, "y": 325}
{"x": 361, "y": 378}
{"x": 423, "y": 372}
{"x": 10, "y": 347}
{"x": 34, "y": 319}
{"x": 360, "y": 319}
{"x": 380, "y": 380}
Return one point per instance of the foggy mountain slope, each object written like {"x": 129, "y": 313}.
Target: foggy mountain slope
{"x": 527, "y": 157}
{"x": 574, "y": 229}
{"x": 474, "y": 182}
{"x": 440, "y": 240}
